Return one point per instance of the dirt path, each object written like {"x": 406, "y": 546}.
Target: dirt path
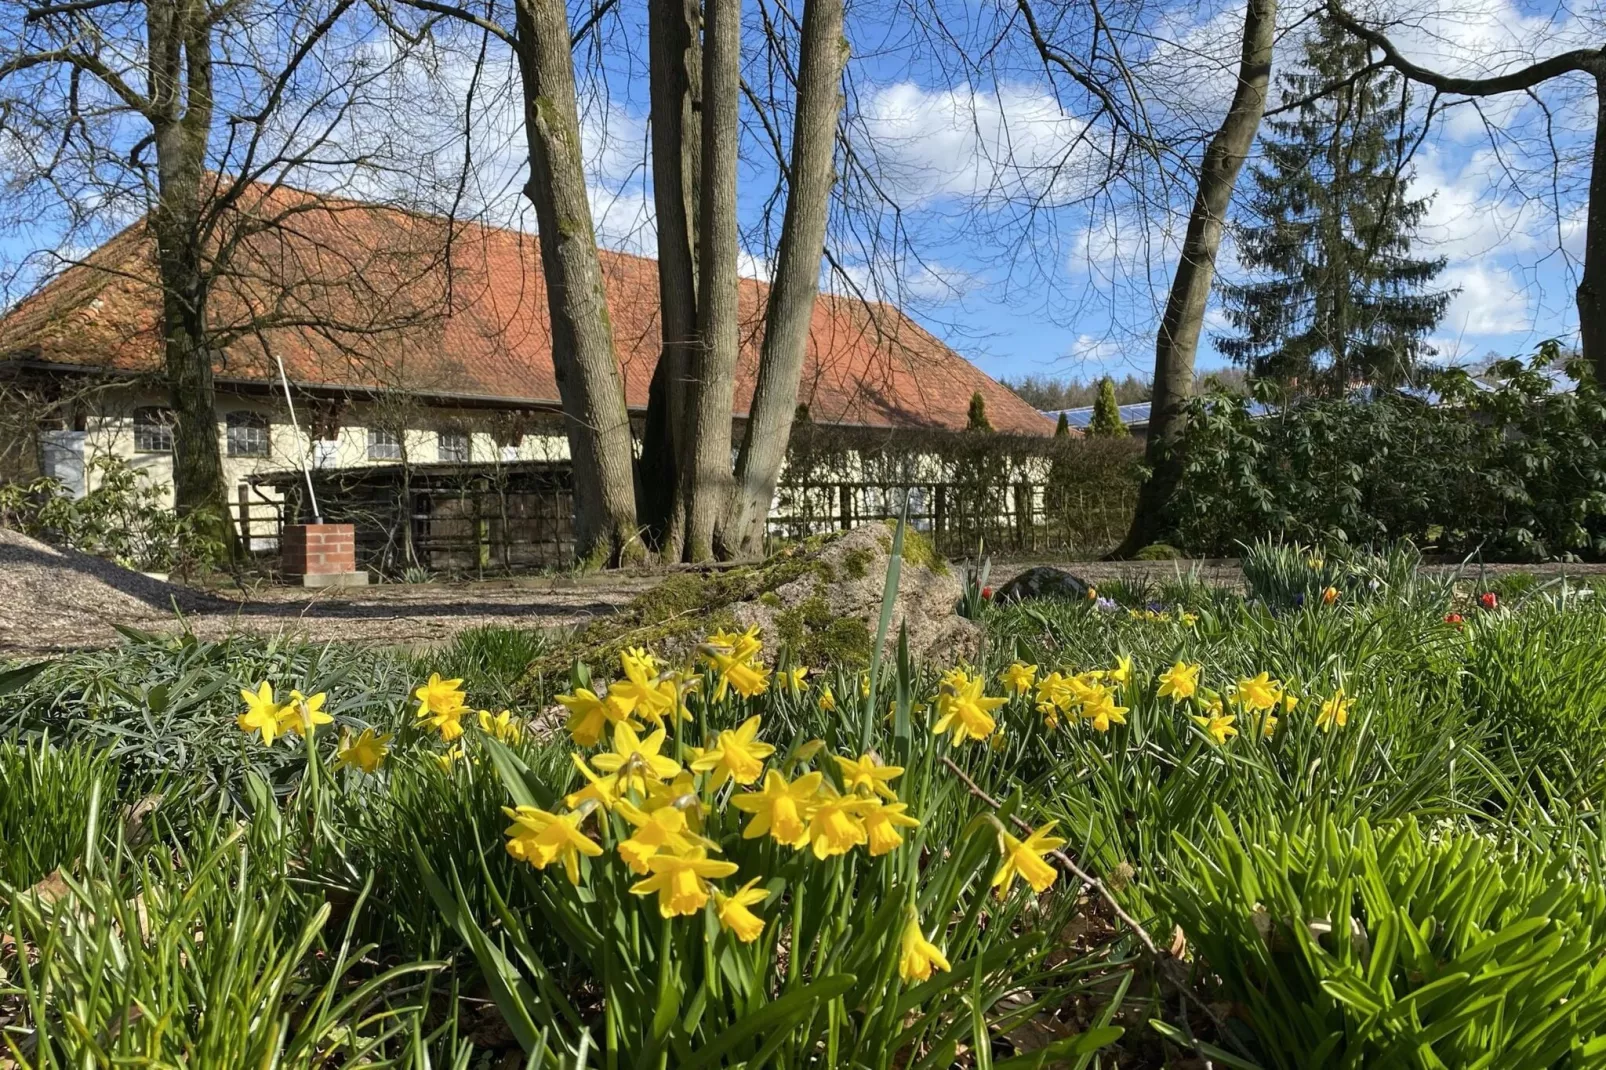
{"x": 56, "y": 600}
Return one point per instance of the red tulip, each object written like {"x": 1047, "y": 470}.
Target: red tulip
{"x": 987, "y": 593}
{"x": 1453, "y": 618}
{"x": 1489, "y": 600}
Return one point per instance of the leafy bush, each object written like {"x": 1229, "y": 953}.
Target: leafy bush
{"x": 1517, "y": 471}
{"x": 1346, "y": 946}
{"x": 126, "y": 518}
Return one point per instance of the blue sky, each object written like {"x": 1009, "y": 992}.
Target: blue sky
{"x": 1008, "y": 245}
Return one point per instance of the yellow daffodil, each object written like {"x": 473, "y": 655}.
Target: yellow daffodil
{"x": 302, "y": 713}
{"x": 734, "y": 657}
{"x": 834, "y": 824}
{"x": 1258, "y": 692}
{"x": 541, "y": 838}
{"x": 634, "y": 763}
{"x": 881, "y": 825}
{"x": 1334, "y": 712}
{"x": 1268, "y": 725}
{"x": 502, "y": 727}
{"x": 734, "y": 913}
{"x": 1218, "y": 726}
{"x": 827, "y": 701}
{"x": 1179, "y": 682}
{"x": 918, "y": 955}
{"x": 782, "y": 810}
{"x": 1188, "y": 620}
{"x": 588, "y": 716}
{"x": 1101, "y": 711}
{"x": 449, "y": 759}
{"x": 864, "y": 685}
{"x": 737, "y": 755}
{"x": 963, "y": 710}
{"x": 663, "y": 829}
{"x": 1027, "y": 859}
{"x": 681, "y": 881}
{"x": 439, "y": 696}
{"x": 1121, "y": 675}
{"x": 795, "y": 681}
{"x": 1054, "y": 690}
{"x": 638, "y": 694}
{"x": 867, "y": 773}
{"x": 1018, "y": 678}
{"x": 366, "y": 751}
{"x": 261, "y": 713}
{"x": 441, "y": 706}
{"x": 1329, "y": 596}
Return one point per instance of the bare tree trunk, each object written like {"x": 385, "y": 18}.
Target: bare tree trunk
{"x": 676, "y": 87}
{"x": 705, "y": 474}
{"x": 823, "y": 53}
{"x": 583, "y": 356}
{"x": 1592, "y": 285}
{"x": 1178, "y": 339}
{"x": 180, "y": 69}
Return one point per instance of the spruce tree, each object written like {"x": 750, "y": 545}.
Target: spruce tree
{"x": 1063, "y": 428}
{"x": 1334, "y": 296}
{"x": 1106, "y": 422}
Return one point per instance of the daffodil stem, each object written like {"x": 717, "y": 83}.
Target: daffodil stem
{"x": 1163, "y": 958}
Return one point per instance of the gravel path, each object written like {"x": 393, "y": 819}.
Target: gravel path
{"x": 55, "y": 600}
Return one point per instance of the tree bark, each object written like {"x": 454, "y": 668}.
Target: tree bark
{"x": 705, "y": 475}
{"x": 1178, "y": 339}
{"x": 1592, "y": 284}
{"x": 823, "y": 53}
{"x": 675, "y": 91}
{"x": 583, "y": 356}
{"x": 180, "y": 108}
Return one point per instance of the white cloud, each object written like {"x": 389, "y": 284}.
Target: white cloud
{"x": 1012, "y": 142}
{"x": 1492, "y": 301}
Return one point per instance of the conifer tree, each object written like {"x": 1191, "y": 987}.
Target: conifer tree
{"x": 1063, "y": 428}
{"x": 1334, "y": 295}
{"x": 1106, "y": 422}
{"x": 976, "y": 419}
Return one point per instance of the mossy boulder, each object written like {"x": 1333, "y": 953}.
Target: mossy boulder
{"x": 820, "y": 598}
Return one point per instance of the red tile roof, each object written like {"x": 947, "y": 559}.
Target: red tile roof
{"x": 356, "y": 296}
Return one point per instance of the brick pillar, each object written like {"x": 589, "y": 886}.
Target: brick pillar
{"x": 320, "y": 555}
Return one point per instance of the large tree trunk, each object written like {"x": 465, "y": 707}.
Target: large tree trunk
{"x": 676, "y": 88}
{"x": 823, "y": 52}
{"x": 1592, "y": 285}
{"x": 180, "y": 67}
{"x": 705, "y": 474}
{"x": 1178, "y": 340}
{"x": 583, "y": 356}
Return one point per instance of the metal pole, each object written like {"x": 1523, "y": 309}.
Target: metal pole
{"x": 306, "y": 470}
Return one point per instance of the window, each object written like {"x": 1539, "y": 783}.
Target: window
{"x": 153, "y": 429}
{"x": 247, "y": 434}
{"x": 383, "y": 445}
{"x": 453, "y": 446}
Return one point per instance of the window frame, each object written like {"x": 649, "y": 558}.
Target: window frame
{"x": 374, "y": 445}
{"x": 247, "y": 420}
{"x": 460, "y": 438}
{"x": 145, "y": 428}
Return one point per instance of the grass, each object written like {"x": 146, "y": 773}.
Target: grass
{"x": 1417, "y": 886}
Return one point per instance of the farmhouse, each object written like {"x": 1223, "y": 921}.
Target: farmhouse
{"x": 416, "y": 348}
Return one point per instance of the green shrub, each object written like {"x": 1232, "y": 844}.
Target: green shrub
{"x": 1516, "y": 472}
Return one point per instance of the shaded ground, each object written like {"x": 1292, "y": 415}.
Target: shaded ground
{"x": 58, "y": 600}
{"x": 53, "y": 600}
